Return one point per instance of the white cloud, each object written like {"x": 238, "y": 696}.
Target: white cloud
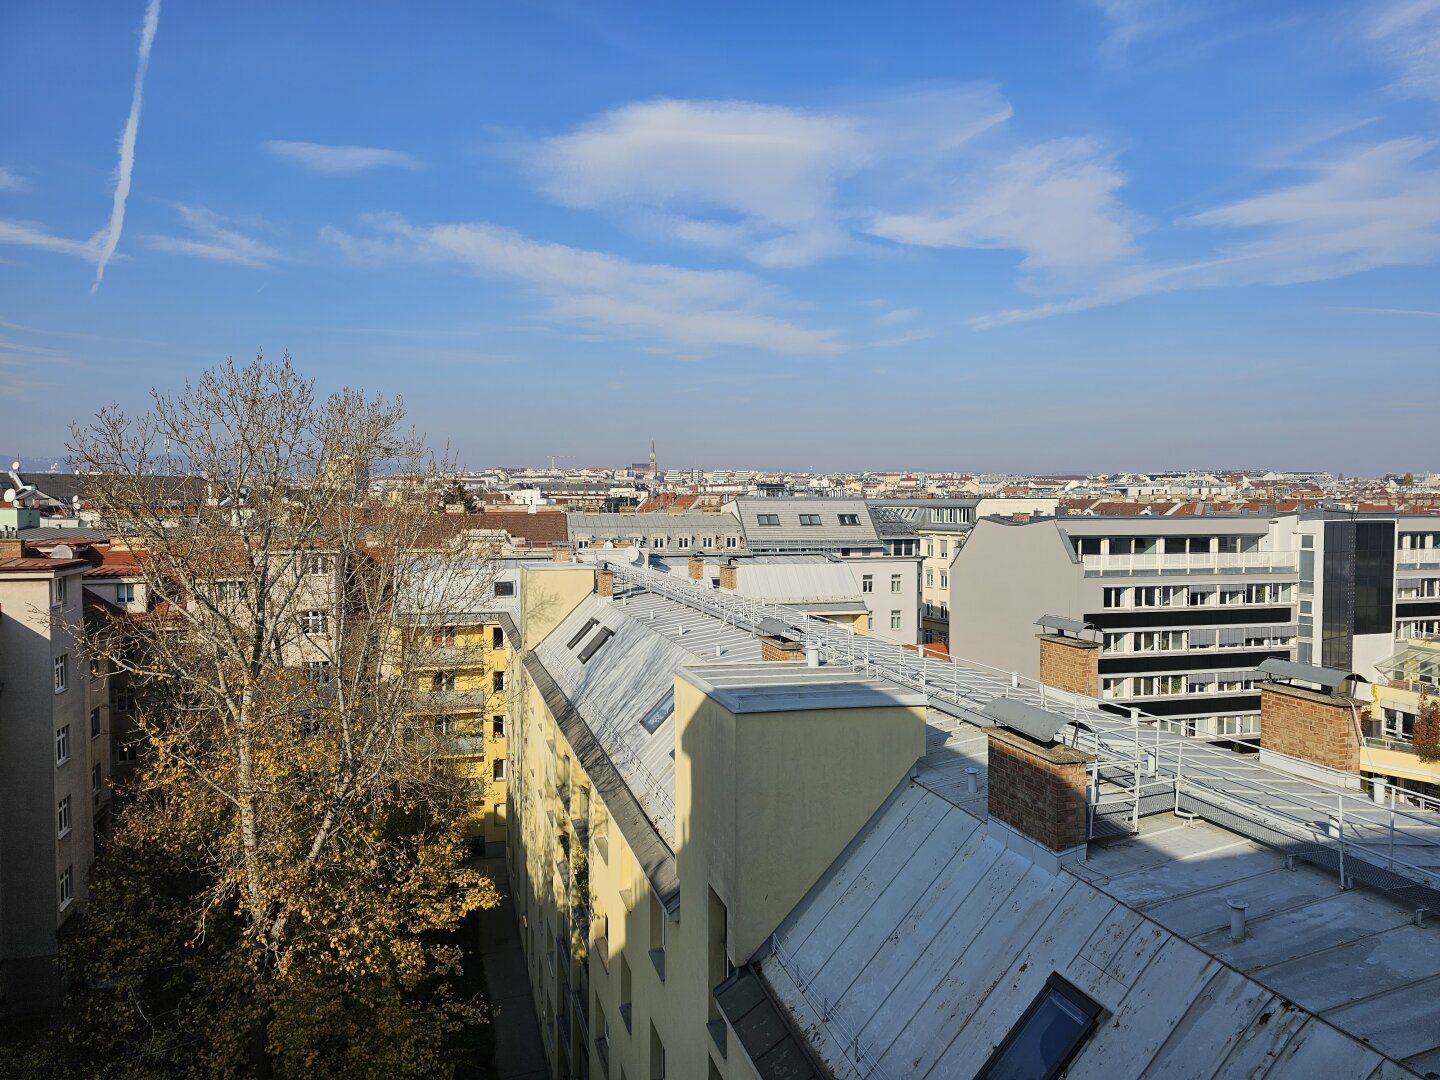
{"x": 678, "y": 308}
{"x": 1055, "y": 203}
{"x": 10, "y": 180}
{"x": 1371, "y": 206}
{"x": 1407, "y": 35}
{"x": 111, "y": 236}
{"x": 32, "y": 235}
{"x": 896, "y": 316}
{"x": 213, "y": 237}
{"x": 778, "y": 184}
{"x": 340, "y": 160}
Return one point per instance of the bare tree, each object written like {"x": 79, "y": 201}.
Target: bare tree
{"x": 288, "y": 546}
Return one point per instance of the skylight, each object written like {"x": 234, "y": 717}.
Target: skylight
{"x": 590, "y": 624}
{"x": 602, "y": 635}
{"x": 660, "y": 713}
{"x": 1047, "y": 1037}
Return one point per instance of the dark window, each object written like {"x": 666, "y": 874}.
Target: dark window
{"x": 504, "y": 588}
{"x": 603, "y": 635}
{"x": 497, "y": 681}
{"x": 590, "y": 624}
{"x": 767, "y": 519}
{"x": 809, "y": 519}
{"x": 1374, "y": 577}
{"x": 1089, "y": 545}
{"x": 656, "y": 716}
{"x": 497, "y": 637}
{"x": 849, "y": 519}
{"x": 1047, "y": 1036}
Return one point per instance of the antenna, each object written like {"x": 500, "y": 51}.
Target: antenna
{"x": 18, "y": 491}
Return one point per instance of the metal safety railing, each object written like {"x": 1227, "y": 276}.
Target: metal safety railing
{"x": 1405, "y": 842}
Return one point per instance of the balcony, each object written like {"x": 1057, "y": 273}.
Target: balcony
{"x": 1418, "y": 560}
{"x": 428, "y": 701}
{"x": 1246, "y": 562}
{"x": 450, "y": 656}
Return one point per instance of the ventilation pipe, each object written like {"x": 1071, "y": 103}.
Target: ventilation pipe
{"x": 812, "y": 655}
{"x": 1237, "y": 919}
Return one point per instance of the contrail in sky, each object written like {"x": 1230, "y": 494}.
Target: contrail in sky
{"x": 111, "y": 236}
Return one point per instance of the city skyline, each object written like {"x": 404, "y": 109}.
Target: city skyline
{"x": 961, "y": 240}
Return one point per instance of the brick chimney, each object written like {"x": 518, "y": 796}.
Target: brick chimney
{"x": 1038, "y": 789}
{"x": 12, "y": 547}
{"x": 605, "y": 582}
{"x": 781, "y": 648}
{"x": 560, "y": 554}
{"x": 1311, "y": 725}
{"x": 697, "y": 568}
{"x": 1070, "y": 663}
{"x": 727, "y": 576}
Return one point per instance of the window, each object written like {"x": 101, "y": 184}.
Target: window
{"x": 944, "y": 579}
{"x": 497, "y": 769}
{"x": 314, "y": 622}
{"x": 657, "y": 541}
{"x": 1047, "y": 1037}
{"x": 126, "y": 752}
{"x": 590, "y": 624}
{"x": 62, "y": 815}
{"x": 658, "y": 715}
{"x": 58, "y": 588}
{"x": 1115, "y": 597}
{"x": 124, "y": 700}
{"x": 497, "y": 681}
{"x": 732, "y": 541}
{"x": 603, "y": 635}
{"x": 315, "y": 563}
{"x": 657, "y": 1055}
{"x": 67, "y": 887}
{"x": 894, "y": 620}
{"x": 809, "y": 519}
{"x": 944, "y": 549}
{"x": 62, "y": 745}
{"x": 504, "y": 588}
{"x": 497, "y": 726}
{"x": 442, "y": 682}
{"x": 443, "y": 636}
{"x": 929, "y": 578}
{"x": 94, "y": 722}
{"x": 318, "y": 672}
{"x": 125, "y": 593}
{"x": 767, "y": 519}
{"x": 894, "y": 582}
{"x": 229, "y": 592}
{"x": 849, "y": 519}
{"x": 867, "y": 583}
{"x": 62, "y": 672}
{"x": 497, "y": 637}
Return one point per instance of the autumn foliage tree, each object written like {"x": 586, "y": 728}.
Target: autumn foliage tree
{"x": 1427, "y": 729}
{"x": 292, "y": 857}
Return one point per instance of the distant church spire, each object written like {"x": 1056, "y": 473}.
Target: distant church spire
{"x": 652, "y": 458}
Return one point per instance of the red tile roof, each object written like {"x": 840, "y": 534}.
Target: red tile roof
{"x": 29, "y": 565}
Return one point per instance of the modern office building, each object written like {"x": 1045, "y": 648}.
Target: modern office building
{"x": 1185, "y": 609}
{"x": 751, "y": 847}
{"x": 940, "y": 527}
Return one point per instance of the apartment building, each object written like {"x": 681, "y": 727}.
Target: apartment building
{"x": 458, "y": 621}
{"x": 940, "y": 527}
{"x": 875, "y": 594}
{"x": 729, "y": 863}
{"x": 54, "y": 767}
{"x": 1402, "y": 682}
{"x": 660, "y": 532}
{"x": 782, "y": 525}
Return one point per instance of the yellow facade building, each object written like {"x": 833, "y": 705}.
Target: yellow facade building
{"x": 1388, "y": 752}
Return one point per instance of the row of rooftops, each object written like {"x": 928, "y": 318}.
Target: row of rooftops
{"x": 929, "y": 928}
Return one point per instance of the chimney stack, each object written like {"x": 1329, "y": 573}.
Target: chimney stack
{"x": 728, "y": 574}
{"x": 605, "y": 582}
{"x": 1037, "y": 790}
{"x": 697, "y": 568}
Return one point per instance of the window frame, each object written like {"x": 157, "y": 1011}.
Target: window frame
{"x": 1058, "y": 985}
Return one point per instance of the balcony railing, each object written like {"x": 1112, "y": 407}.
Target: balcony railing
{"x": 1400, "y": 746}
{"x": 427, "y": 701}
{"x": 1418, "y": 560}
{"x": 1211, "y": 562}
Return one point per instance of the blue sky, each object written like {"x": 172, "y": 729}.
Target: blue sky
{"x": 1093, "y": 234}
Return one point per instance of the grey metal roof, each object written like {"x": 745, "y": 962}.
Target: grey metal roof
{"x": 628, "y": 676}
{"x": 762, "y": 1028}
{"x": 630, "y": 527}
{"x": 787, "y": 687}
{"x": 1327, "y": 677}
{"x": 927, "y": 940}
{"x": 790, "y": 534}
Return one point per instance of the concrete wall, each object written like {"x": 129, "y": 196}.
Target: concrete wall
{"x": 1005, "y": 577}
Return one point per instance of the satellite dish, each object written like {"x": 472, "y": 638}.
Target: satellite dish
{"x": 638, "y": 559}
{"x": 18, "y": 491}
